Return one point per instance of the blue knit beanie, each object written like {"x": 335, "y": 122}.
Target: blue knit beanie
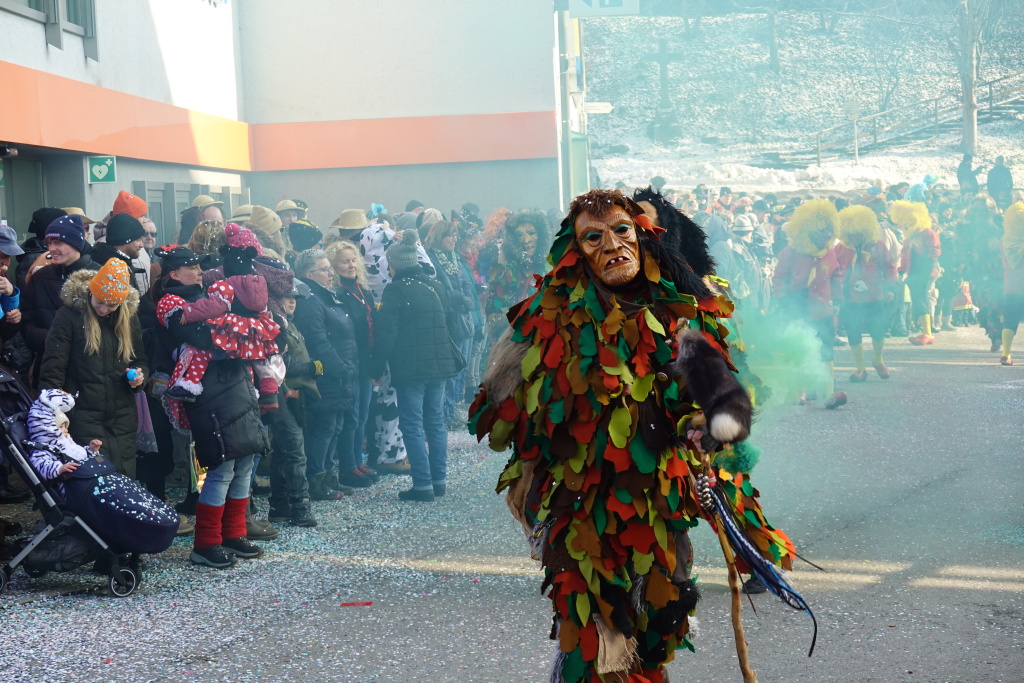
{"x": 68, "y": 229}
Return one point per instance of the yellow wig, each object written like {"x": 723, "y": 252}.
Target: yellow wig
{"x": 858, "y": 222}
{"x": 910, "y": 216}
{"x": 813, "y": 216}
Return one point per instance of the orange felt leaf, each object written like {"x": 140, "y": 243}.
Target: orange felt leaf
{"x": 660, "y": 590}
{"x": 675, "y": 467}
{"x": 624, "y": 511}
{"x": 568, "y": 635}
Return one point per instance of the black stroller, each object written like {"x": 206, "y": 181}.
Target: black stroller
{"x": 65, "y": 541}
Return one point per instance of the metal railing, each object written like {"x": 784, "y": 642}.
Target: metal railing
{"x": 914, "y": 118}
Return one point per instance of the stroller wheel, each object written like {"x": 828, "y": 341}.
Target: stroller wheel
{"x": 34, "y": 572}
{"x": 3, "y": 578}
{"x": 123, "y": 583}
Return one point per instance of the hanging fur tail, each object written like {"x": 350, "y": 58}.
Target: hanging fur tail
{"x": 714, "y": 386}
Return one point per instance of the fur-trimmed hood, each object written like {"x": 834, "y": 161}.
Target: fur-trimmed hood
{"x": 75, "y": 293}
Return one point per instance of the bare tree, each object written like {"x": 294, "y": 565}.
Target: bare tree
{"x": 830, "y": 12}
{"x": 973, "y": 23}
{"x": 773, "y": 37}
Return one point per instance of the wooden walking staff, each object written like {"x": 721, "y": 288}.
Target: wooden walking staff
{"x": 749, "y": 675}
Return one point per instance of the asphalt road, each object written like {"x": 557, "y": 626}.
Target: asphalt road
{"x": 910, "y": 497}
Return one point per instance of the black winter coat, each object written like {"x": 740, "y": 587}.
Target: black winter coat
{"x": 411, "y": 330}
{"x": 330, "y": 339}
{"x": 105, "y": 408}
{"x": 225, "y": 417}
{"x": 41, "y": 299}
{"x": 359, "y": 304}
{"x": 462, "y": 295}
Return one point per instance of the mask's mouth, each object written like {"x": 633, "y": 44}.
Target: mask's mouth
{"x": 619, "y": 259}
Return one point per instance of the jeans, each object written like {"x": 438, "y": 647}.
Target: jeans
{"x": 288, "y": 483}
{"x": 350, "y": 443}
{"x": 455, "y": 386}
{"x": 421, "y": 418}
{"x": 323, "y": 427}
{"x": 230, "y": 479}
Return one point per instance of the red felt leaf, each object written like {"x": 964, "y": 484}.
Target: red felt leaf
{"x": 588, "y": 642}
{"x": 619, "y": 457}
{"x": 638, "y": 535}
{"x": 556, "y": 347}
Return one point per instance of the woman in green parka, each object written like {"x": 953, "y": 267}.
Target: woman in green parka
{"x": 94, "y": 349}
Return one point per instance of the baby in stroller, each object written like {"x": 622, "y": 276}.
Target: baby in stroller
{"x": 48, "y": 424}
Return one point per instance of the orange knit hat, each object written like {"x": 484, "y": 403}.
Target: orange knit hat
{"x": 112, "y": 284}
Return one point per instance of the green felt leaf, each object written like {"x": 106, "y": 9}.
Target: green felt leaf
{"x": 642, "y": 386}
{"x": 594, "y": 307}
{"x": 530, "y": 361}
{"x": 583, "y": 607}
{"x": 577, "y": 293}
{"x": 645, "y": 460}
{"x": 748, "y": 488}
{"x": 579, "y": 458}
{"x": 687, "y": 644}
{"x": 671, "y": 392}
{"x": 642, "y": 562}
{"x": 660, "y": 534}
{"x": 623, "y": 496}
{"x": 572, "y": 667}
{"x": 500, "y": 433}
{"x": 653, "y": 322}
{"x": 533, "y": 396}
{"x": 619, "y": 426}
{"x": 752, "y": 518}
{"x": 600, "y": 516}
{"x": 513, "y": 471}
{"x": 556, "y": 412}
{"x": 588, "y": 341}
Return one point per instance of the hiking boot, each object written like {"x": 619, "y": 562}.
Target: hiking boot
{"x": 242, "y": 547}
{"x": 302, "y": 516}
{"x": 440, "y": 490}
{"x": 1005, "y": 360}
{"x": 882, "y": 370}
{"x": 838, "y": 399}
{"x": 418, "y": 495}
{"x": 279, "y": 514}
{"x": 214, "y": 556}
{"x": 356, "y": 479}
{"x": 922, "y": 340}
{"x": 859, "y": 376}
{"x": 185, "y": 527}
{"x": 400, "y": 467}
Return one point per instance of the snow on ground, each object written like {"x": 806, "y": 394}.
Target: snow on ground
{"x": 685, "y": 167}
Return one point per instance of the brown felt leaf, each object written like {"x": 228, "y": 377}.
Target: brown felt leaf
{"x": 660, "y": 590}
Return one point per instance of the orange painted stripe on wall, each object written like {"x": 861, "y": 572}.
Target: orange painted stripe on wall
{"x": 400, "y": 141}
{"x": 53, "y": 111}
{"x": 62, "y": 113}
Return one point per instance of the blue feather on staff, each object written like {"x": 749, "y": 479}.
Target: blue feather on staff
{"x": 764, "y": 570}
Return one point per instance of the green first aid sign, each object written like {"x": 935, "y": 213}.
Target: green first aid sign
{"x": 102, "y": 169}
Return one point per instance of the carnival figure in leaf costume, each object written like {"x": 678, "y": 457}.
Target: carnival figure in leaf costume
{"x": 615, "y": 390}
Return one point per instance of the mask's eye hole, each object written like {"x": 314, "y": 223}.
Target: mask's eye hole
{"x": 623, "y": 228}
{"x": 593, "y": 236}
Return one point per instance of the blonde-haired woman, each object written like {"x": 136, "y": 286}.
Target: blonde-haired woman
{"x": 207, "y": 239}
{"x": 355, "y": 295}
{"x": 94, "y": 349}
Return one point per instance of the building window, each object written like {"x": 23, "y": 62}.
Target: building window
{"x": 75, "y": 12}
{"x": 32, "y": 9}
{"x": 37, "y": 5}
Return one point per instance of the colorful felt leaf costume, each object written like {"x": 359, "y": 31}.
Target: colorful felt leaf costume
{"x": 602, "y": 475}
